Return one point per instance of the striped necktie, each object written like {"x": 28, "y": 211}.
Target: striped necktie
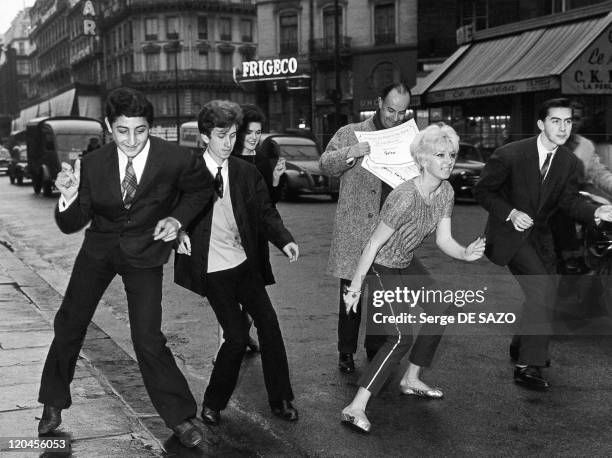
{"x": 545, "y": 166}
{"x": 129, "y": 184}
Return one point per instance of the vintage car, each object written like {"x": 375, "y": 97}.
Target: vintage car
{"x": 465, "y": 174}
{"x": 303, "y": 175}
{"x": 18, "y": 169}
{"x": 5, "y": 160}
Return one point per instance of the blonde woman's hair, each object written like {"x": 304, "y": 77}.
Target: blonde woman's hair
{"x": 438, "y": 137}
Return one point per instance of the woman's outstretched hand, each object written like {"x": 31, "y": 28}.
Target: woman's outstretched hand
{"x": 474, "y": 250}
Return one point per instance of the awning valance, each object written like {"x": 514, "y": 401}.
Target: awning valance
{"x": 527, "y": 61}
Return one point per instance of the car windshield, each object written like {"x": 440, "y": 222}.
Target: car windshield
{"x": 469, "y": 153}
{"x": 297, "y": 148}
{"x": 74, "y": 142}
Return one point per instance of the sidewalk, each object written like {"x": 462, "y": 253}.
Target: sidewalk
{"x": 111, "y": 413}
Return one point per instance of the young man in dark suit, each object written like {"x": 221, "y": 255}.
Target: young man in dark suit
{"x": 136, "y": 191}
{"x": 521, "y": 186}
{"x": 221, "y": 260}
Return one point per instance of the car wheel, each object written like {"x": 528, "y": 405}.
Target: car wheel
{"x": 47, "y": 189}
{"x": 19, "y": 181}
{"x": 36, "y": 184}
{"x": 334, "y": 196}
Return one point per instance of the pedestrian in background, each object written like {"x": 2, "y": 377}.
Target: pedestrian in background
{"x": 362, "y": 195}
{"x": 521, "y": 186}
{"x": 412, "y": 211}
{"x": 219, "y": 257}
{"x": 136, "y": 191}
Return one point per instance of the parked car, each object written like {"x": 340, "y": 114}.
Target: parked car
{"x": 465, "y": 174}
{"x": 18, "y": 168}
{"x": 5, "y": 160}
{"x": 51, "y": 141}
{"x": 303, "y": 175}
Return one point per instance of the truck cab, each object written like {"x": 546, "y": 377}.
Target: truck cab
{"x": 51, "y": 141}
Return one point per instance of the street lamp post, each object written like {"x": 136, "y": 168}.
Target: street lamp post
{"x": 176, "y": 89}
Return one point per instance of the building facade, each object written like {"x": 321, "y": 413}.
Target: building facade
{"x": 376, "y": 45}
{"x": 490, "y": 87}
{"x": 14, "y": 70}
{"x": 180, "y": 53}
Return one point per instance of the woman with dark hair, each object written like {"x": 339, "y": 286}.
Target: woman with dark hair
{"x": 247, "y": 141}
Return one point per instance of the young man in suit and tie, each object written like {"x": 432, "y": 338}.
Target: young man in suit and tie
{"x": 136, "y": 191}
{"x": 521, "y": 186}
{"x": 221, "y": 260}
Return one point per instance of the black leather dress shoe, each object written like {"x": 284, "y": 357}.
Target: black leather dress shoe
{"x": 514, "y": 355}
{"x": 211, "y": 416}
{"x": 187, "y": 434}
{"x": 285, "y": 411}
{"x": 346, "y": 363}
{"x": 530, "y": 377}
{"x": 50, "y": 420}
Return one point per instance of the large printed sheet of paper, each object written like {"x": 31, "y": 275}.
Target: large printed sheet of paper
{"x": 390, "y": 158}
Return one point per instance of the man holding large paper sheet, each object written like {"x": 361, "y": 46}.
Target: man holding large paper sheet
{"x": 362, "y": 195}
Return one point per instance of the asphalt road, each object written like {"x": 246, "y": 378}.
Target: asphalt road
{"x": 483, "y": 412}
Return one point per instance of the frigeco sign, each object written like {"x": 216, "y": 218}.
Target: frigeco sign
{"x": 269, "y": 67}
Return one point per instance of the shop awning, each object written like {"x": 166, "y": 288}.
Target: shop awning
{"x": 524, "y": 61}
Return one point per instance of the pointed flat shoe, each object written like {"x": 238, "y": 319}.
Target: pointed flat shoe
{"x": 434, "y": 393}
{"x": 360, "y": 425}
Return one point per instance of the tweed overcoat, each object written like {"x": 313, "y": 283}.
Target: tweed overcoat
{"x": 359, "y": 201}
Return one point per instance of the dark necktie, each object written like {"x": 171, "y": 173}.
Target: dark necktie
{"x": 218, "y": 182}
{"x": 545, "y": 166}
{"x": 129, "y": 184}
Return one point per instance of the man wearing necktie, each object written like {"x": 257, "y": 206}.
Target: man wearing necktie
{"x": 219, "y": 257}
{"x": 137, "y": 192}
{"x": 521, "y": 186}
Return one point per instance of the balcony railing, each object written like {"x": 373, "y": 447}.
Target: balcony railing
{"x": 386, "y": 38}
{"x": 324, "y": 46}
{"x": 168, "y": 76}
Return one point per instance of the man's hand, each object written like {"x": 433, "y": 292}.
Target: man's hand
{"x": 603, "y": 213}
{"x": 67, "y": 181}
{"x": 521, "y": 221}
{"x": 474, "y": 250}
{"x": 292, "y": 251}
{"x": 184, "y": 244}
{"x": 166, "y": 229}
{"x": 278, "y": 171}
{"x": 360, "y": 149}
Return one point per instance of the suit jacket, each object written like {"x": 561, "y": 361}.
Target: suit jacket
{"x": 172, "y": 184}
{"x": 359, "y": 202}
{"x": 511, "y": 179}
{"x": 257, "y": 220}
